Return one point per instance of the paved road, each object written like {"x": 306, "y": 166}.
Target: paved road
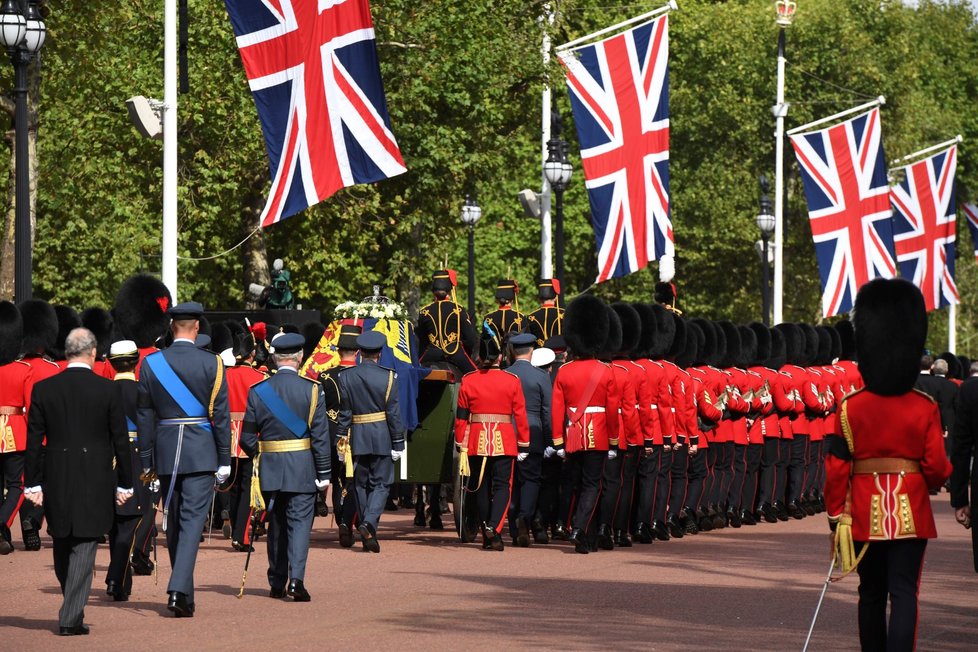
{"x": 748, "y": 589}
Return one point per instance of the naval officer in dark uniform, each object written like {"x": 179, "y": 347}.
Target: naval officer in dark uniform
{"x": 371, "y": 417}
{"x": 184, "y": 437}
{"x": 292, "y": 462}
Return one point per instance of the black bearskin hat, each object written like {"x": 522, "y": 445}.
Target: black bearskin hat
{"x": 836, "y": 352}
{"x": 631, "y": 325}
{"x": 99, "y": 321}
{"x": 779, "y": 356}
{"x": 763, "y": 336}
{"x": 848, "y": 336}
{"x": 890, "y": 321}
{"x": 794, "y": 343}
{"x": 953, "y": 364}
{"x": 708, "y": 345}
{"x": 313, "y": 333}
{"x": 665, "y": 294}
{"x": 665, "y": 332}
{"x": 68, "y": 320}
{"x": 646, "y": 341}
{"x": 586, "y": 326}
{"x": 11, "y": 332}
{"x": 679, "y": 341}
{"x": 140, "y": 309}
{"x": 40, "y": 326}
{"x": 720, "y": 353}
{"x": 732, "y": 336}
{"x": 204, "y": 326}
{"x": 695, "y": 336}
{"x": 612, "y": 345}
{"x": 824, "y": 346}
{"x": 965, "y": 367}
{"x": 810, "y": 339}
{"x": 221, "y": 337}
{"x": 748, "y": 347}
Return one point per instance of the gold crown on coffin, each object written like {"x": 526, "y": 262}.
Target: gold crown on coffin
{"x": 786, "y": 12}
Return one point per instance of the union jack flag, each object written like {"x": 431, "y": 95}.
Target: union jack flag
{"x": 924, "y": 227}
{"x": 313, "y": 70}
{"x": 844, "y": 175}
{"x": 971, "y": 212}
{"x": 619, "y": 92}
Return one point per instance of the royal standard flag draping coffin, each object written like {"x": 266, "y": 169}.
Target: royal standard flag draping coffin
{"x": 924, "y": 227}
{"x": 844, "y": 175}
{"x": 325, "y": 356}
{"x": 619, "y": 93}
{"x": 313, "y": 71}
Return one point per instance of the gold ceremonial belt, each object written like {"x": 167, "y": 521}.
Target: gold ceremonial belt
{"x": 490, "y": 418}
{"x": 9, "y": 410}
{"x": 237, "y": 416}
{"x": 373, "y": 417}
{"x": 132, "y": 435}
{"x": 885, "y": 465}
{"x": 292, "y": 446}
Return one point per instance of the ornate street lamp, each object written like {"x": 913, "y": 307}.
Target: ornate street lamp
{"x": 471, "y": 213}
{"x": 765, "y": 222}
{"x": 558, "y": 171}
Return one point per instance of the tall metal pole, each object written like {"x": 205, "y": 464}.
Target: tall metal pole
{"x": 546, "y": 267}
{"x": 780, "y": 111}
{"x": 23, "y": 246}
{"x": 559, "y": 242}
{"x": 952, "y": 328}
{"x": 169, "y": 258}
{"x": 765, "y": 281}
{"x": 472, "y": 271}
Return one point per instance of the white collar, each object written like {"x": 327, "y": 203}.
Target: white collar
{"x": 292, "y": 369}
{"x": 183, "y": 339}
{"x": 78, "y": 365}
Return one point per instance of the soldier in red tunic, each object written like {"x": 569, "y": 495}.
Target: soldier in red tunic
{"x": 491, "y": 426}
{"x": 15, "y": 393}
{"x": 585, "y": 411}
{"x": 885, "y": 456}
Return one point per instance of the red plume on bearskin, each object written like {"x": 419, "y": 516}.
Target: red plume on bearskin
{"x": 890, "y": 321}
{"x": 140, "y": 309}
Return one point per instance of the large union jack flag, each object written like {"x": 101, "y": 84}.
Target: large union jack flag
{"x": 924, "y": 227}
{"x": 619, "y": 92}
{"x": 971, "y": 213}
{"x": 313, "y": 70}
{"x": 844, "y": 175}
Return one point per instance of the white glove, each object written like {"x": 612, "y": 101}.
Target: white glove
{"x": 520, "y": 457}
{"x": 612, "y": 454}
{"x": 561, "y": 453}
{"x": 223, "y": 473}
{"x": 154, "y": 486}
{"x": 396, "y": 455}
{"x": 321, "y": 484}
{"x": 549, "y": 451}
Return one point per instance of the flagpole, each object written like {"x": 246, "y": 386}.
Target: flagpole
{"x": 841, "y": 114}
{"x": 671, "y": 6}
{"x": 927, "y": 150}
{"x": 546, "y": 246}
{"x": 952, "y": 327}
{"x": 169, "y": 253}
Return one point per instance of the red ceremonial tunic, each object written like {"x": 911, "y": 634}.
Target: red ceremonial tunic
{"x": 773, "y": 383}
{"x": 706, "y": 404}
{"x": 660, "y": 403}
{"x": 491, "y": 415}
{"x": 739, "y": 403}
{"x": 629, "y": 427}
{"x": 887, "y": 506}
{"x": 648, "y": 413}
{"x": 143, "y": 352}
{"x": 16, "y": 382}
{"x": 683, "y": 407}
{"x": 240, "y": 379}
{"x": 597, "y": 429}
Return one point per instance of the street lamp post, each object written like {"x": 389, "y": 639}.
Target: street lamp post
{"x": 785, "y": 13}
{"x": 22, "y": 33}
{"x": 558, "y": 171}
{"x": 471, "y": 212}
{"x": 765, "y": 222}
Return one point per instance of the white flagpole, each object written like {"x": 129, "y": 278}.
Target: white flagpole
{"x": 841, "y": 114}
{"x": 927, "y": 150}
{"x": 952, "y": 327}
{"x": 546, "y": 242}
{"x": 169, "y": 257}
{"x": 671, "y": 6}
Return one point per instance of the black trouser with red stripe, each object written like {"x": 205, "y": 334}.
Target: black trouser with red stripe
{"x": 890, "y": 569}
{"x": 12, "y": 475}
{"x": 796, "y": 466}
{"x": 711, "y": 488}
{"x": 725, "y": 467}
{"x": 696, "y": 474}
{"x": 492, "y": 483}
{"x": 548, "y": 501}
{"x": 663, "y": 484}
{"x": 586, "y": 469}
{"x": 677, "y": 483}
{"x": 733, "y": 497}
{"x": 748, "y": 492}
{"x": 781, "y": 469}
{"x": 769, "y": 461}
{"x": 812, "y": 468}
{"x": 611, "y": 489}
{"x": 623, "y": 514}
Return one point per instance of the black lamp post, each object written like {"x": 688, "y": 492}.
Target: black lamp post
{"x": 471, "y": 212}
{"x": 765, "y": 222}
{"x": 558, "y": 171}
{"x": 22, "y": 32}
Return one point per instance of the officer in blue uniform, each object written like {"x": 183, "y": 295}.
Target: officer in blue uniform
{"x": 292, "y": 461}
{"x": 370, "y": 416}
{"x": 537, "y": 392}
{"x": 184, "y": 437}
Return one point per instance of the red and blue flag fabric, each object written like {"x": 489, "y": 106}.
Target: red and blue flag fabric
{"x": 619, "y": 93}
{"x": 844, "y": 175}
{"x": 924, "y": 227}
{"x": 971, "y": 214}
{"x": 313, "y": 71}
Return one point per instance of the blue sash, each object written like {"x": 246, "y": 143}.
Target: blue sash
{"x": 175, "y": 387}
{"x": 282, "y": 412}
{"x": 130, "y": 425}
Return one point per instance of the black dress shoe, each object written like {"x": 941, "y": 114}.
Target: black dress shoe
{"x": 322, "y": 509}
{"x": 580, "y": 543}
{"x": 522, "y": 538}
{"x": 770, "y": 514}
{"x": 419, "y": 520}
{"x": 346, "y": 536}
{"x": 539, "y": 532}
{"x": 297, "y": 591}
{"x": 491, "y": 539}
{"x": 32, "y": 539}
{"x": 660, "y": 530}
{"x": 278, "y": 594}
{"x": 795, "y": 511}
{"x": 115, "y": 591}
{"x": 690, "y": 524}
{"x": 434, "y": 520}
{"x": 643, "y": 534}
{"x": 705, "y": 523}
{"x": 807, "y": 506}
{"x": 622, "y": 540}
{"x": 747, "y": 517}
{"x": 733, "y": 518}
{"x": 559, "y": 533}
{"x": 141, "y": 565}
{"x": 77, "y": 630}
{"x": 369, "y": 537}
{"x": 241, "y": 547}
{"x": 781, "y": 511}
{"x": 179, "y": 605}
{"x": 604, "y": 540}
{"x": 6, "y": 547}
{"x": 676, "y": 530}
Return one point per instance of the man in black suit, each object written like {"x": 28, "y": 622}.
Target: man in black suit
{"x": 964, "y": 476}
{"x": 81, "y": 415}
{"x": 933, "y": 382}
